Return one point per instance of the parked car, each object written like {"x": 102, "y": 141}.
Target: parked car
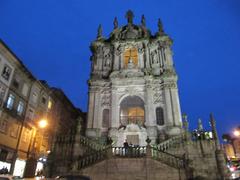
{"x": 8, "y": 177}
{"x": 73, "y": 177}
{"x": 234, "y": 167}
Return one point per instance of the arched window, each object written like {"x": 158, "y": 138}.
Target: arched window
{"x": 130, "y": 53}
{"x": 105, "y": 118}
{"x": 132, "y": 110}
{"x": 159, "y": 116}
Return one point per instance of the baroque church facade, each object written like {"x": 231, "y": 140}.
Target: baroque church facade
{"x": 133, "y": 91}
{"x": 133, "y": 97}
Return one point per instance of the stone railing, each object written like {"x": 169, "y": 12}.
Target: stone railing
{"x": 167, "y": 158}
{"x": 172, "y": 142}
{"x": 65, "y": 139}
{"x": 130, "y": 152}
{"x": 91, "y": 159}
{"x": 91, "y": 144}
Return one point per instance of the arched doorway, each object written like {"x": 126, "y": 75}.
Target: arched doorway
{"x": 132, "y": 111}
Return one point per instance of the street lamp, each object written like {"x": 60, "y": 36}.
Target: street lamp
{"x": 33, "y": 150}
{"x": 236, "y": 133}
{"x": 42, "y": 123}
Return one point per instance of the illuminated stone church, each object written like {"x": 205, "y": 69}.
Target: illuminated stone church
{"x": 133, "y": 91}
{"x": 133, "y": 97}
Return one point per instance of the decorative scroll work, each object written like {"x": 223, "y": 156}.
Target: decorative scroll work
{"x": 157, "y": 94}
{"x": 119, "y": 50}
{"x": 170, "y": 85}
{"x": 106, "y": 96}
{"x": 106, "y": 100}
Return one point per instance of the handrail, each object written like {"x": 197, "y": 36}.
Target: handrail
{"x": 130, "y": 152}
{"x": 172, "y": 142}
{"x": 92, "y": 158}
{"x": 91, "y": 143}
{"x": 168, "y": 158}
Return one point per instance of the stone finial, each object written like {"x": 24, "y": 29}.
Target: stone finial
{"x": 185, "y": 121}
{"x": 143, "y": 20}
{"x": 200, "y": 125}
{"x": 115, "y": 23}
{"x": 129, "y": 15}
{"x": 160, "y": 26}
{"x": 99, "y": 31}
{"x": 214, "y": 131}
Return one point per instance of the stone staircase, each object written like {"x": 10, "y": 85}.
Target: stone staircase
{"x": 101, "y": 152}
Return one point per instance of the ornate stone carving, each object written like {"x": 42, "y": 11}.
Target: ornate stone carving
{"x": 157, "y": 94}
{"x": 106, "y": 100}
{"x": 154, "y": 56}
{"x": 119, "y": 50}
{"x": 170, "y": 85}
{"x": 106, "y": 95}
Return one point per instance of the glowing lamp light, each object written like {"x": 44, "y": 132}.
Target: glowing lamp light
{"x": 236, "y": 133}
{"x": 42, "y": 123}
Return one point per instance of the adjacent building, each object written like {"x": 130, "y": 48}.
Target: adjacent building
{"x": 25, "y": 102}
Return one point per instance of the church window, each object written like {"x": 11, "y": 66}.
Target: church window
{"x": 159, "y": 116}
{"x": 132, "y": 111}
{"x": 130, "y": 53}
{"x": 105, "y": 120}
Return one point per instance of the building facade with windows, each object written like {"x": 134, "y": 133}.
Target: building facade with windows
{"x": 133, "y": 91}
{"x": 24, "y": 102}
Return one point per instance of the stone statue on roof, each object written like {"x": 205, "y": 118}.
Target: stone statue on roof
{"x": 99, "y": 31}
{"x": 115, "y": 23}
{"x": 129, "y": 16}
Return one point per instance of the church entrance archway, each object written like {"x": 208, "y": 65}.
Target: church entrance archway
{"x": 132, "y": 111}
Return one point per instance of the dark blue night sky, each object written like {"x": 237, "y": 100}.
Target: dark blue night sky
{"x": 52, "y": 38}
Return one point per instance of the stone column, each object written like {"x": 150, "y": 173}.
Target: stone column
{"x": 169, "y": 115}
{"x": 116, "y": 58}
{"x": 114, "y": 115}
{"x": 147, "y": 58}
{"x": 97, "y": 106}
{"x": 169, "y": 59}
{"x": 221, "y": 163}
{"x": 147, "y": 107}
{"x": 90, "y": 117}
{"x": 176, "y": 107}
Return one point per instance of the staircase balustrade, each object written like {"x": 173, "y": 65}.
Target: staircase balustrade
{"x": 168, "y": 159}
{"x": 130, "y": 152}
{"x": 93, "y": 158}
{"x": 91, "y": 143}
{"x": 172, "y": 142}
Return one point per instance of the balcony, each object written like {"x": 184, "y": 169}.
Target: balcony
{"x": 125, "y": 120}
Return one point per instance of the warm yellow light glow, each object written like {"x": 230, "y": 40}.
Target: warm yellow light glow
{"x": 236, "y": 133}
{"x": 42, "y": 123}
{"x": 130, "y": 53}
{"x": 49, "y": 104}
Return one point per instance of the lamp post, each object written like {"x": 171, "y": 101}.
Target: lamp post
{"x": 236, "y": 133}
{"x": 32, "y": 161}
{"x": 236, "y": 141}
